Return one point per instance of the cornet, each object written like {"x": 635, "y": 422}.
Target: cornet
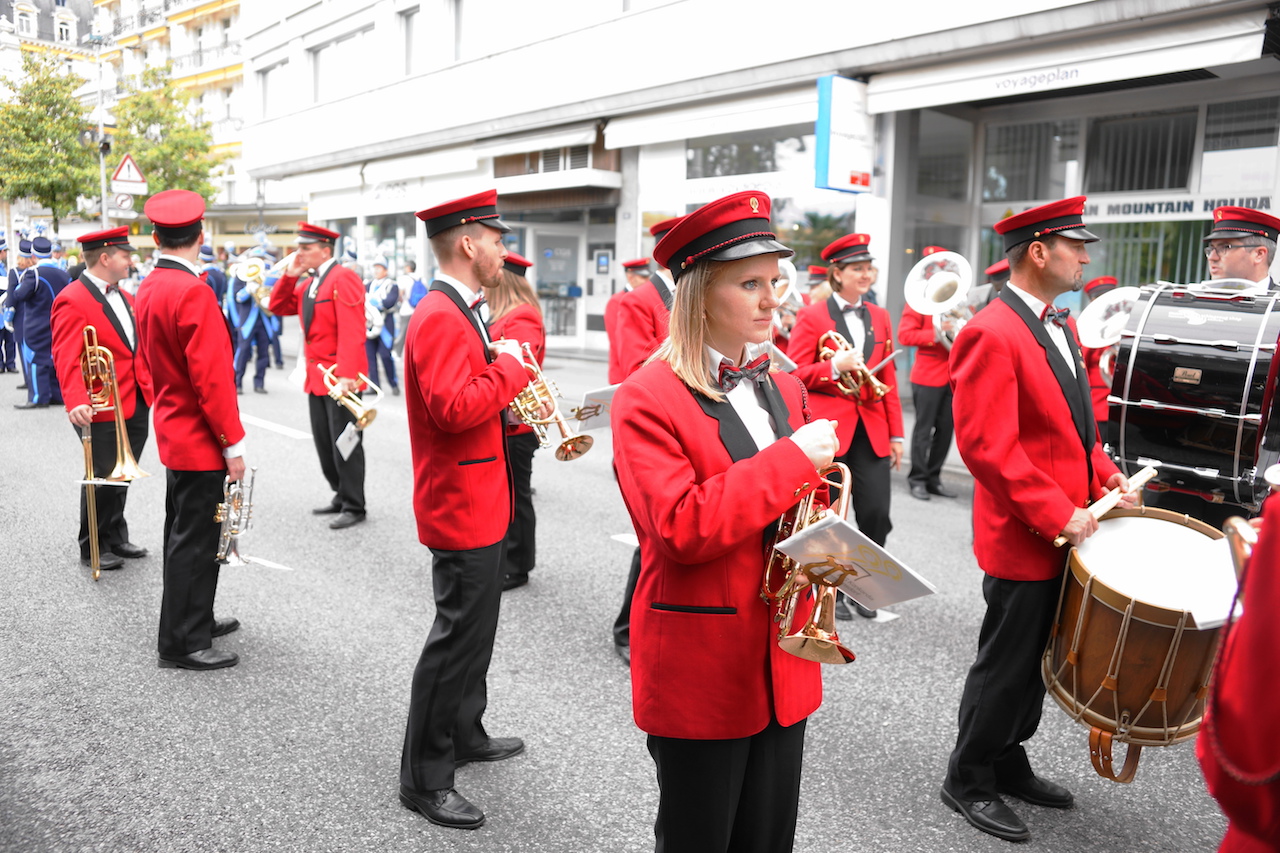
{"x": 235, "y": 514}
{"x": 363, "y": 410}
{"x": 851, "y": 382}
{"x": 543, "y": 392}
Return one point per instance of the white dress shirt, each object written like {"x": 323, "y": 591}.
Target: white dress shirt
{"x": 116, "y": 302}
{"x": 1057, "y": 333}
{"x": 755, "y": 417}
{"x": 468, "y": 296}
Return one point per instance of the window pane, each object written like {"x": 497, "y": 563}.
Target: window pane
{"x": 945, "y": 145}
{"x": 1029, "y": 161}
{"x": 1242, "y": 124}
{"x": 1146, "y": 252}
{"x": 745, "y": 153}
{"x": 1141, "y": 152}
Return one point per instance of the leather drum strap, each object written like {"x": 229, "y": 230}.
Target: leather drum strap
{"x": 1100, "y": 753}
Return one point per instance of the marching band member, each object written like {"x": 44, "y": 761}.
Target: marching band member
{"x": 185, "y": 349}
{"x": 1092, "y": 356}
{"x": 383, "y": 297}
{"x": 8, "y": 345}
{"x": 870, "y": 430}
{"x": 1026, "y": 430}
{"x": 644, "y": 316}
{"x": 636, "y": 273}
{"x": 791, "y": 298}
{"x": 38, "y": 286}
{"x": 931, "y": 397}
{"x": 710, "y": 450}
{"x": 516, "y": 315}
{"x": 95, "y": 299}
{"x": 330, "y": 306}
{"x": 459, "y": 383}
{"x": 253, "y": 331}
{"x": 1242, "y": 245}
{"x": 13, "y": 309}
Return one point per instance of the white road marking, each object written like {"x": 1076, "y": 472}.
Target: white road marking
{"x": 626, "y": 539}
{"x": 258, "y": 561}
{"x": 274, "y": 427}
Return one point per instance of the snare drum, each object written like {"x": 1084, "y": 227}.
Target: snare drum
{"x": 1127, "y": 656}
{"x": 1191, "y": 394}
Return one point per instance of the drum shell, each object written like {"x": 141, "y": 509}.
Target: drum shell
{"x": 1221, "y": 423}
{"x": 1076, "y": 672}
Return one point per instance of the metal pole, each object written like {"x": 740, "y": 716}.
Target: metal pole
{"x": 102, "y": 157}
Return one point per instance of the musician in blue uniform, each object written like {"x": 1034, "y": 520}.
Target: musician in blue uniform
{"x": 8, "y": 346}
{"x": 384, "y": 296}
{"x": 212, "y": 273}
{"x": 13, "y": 309}
{"x": 253, "y": 330}
{"x": 35, "y": 292}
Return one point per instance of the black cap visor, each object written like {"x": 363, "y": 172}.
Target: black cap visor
{"x": 749, "y": 249}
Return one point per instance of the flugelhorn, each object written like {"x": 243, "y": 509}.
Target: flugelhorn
{"x": 540, "y": 393}
{"x": 235, "y": 514}
{"x": 363, "y": 410}
{"x": 851, "y": 382}
{"x": 817, "y": 639}
{"x": 938, "y": 286}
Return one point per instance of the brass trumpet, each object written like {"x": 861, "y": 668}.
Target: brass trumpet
{"x": 817, "y": 639}
{"x": 363, "y": 410}
{"x": 541, "y": 392}
{"x": 235, "y": 514}
{"x": 851, "y": 382}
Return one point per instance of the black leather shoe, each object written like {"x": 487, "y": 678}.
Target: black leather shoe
{"x": 259, "y": 390}
{"x": 1039, "y": 792}
{"x": 22, "y": 387}
{"x": 623, "y": 651}
{"x": 514, "y": 579}
{"x": 443, "y": 808}
{"x": 239, "y": 392}
{"x": 31, "y": 405}
{"x": 843, "y": 612}
{"x": 864, "y": 612}
{"x": 395, "y": 390}
{"x": 331, "y": 509}
{"x": 991, "y": 816}
{"x": 221, "y": 627}
{"x": 129, "y": 550}
{"x": 347, "y": 519}
{"x": 494, "y": 749}
{"x": 919, "y": 492}
{"x": 942, "y": 491}
{"x": 203, "y": 659}
{"x": 106, "y": 561}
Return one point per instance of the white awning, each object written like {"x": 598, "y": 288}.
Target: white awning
{"x": 542, "y": 140}
{"x": 775, "y": 109}
{"x": 1219, "y": 40}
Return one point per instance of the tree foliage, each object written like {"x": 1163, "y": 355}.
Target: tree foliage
{"x": 42, "y": 156}
{"x": 154, "y": 125}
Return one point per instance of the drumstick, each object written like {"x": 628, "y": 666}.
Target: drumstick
{"x": 1107, "y": 502}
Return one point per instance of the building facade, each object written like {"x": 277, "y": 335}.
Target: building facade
{"x": 595, "y": 118}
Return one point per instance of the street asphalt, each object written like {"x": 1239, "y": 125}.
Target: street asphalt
{"x": 298, "y": 747}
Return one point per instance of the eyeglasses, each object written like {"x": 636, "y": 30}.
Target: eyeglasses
{"x": 1210, "y": 251}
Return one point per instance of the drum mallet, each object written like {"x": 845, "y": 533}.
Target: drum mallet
{"x": 1107, "y": 502}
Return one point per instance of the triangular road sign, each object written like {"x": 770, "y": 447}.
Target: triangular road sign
{"x": 128, "y": 178}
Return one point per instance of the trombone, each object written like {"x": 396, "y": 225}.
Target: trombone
{"x": 98, "y": 369}
{"x": 541, "y": 392}
{"x": 363, "y": 410}
{"x": 851, "y": 382}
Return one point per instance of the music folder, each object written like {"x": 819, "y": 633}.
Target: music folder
{"x": 594, "y": 411}
{"x": 873, "y": 577}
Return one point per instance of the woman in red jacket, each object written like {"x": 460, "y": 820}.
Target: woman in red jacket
{"x": 710, "y": 450}
{"x": 515, "y": 314}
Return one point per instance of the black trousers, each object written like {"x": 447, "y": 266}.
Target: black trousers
{"x": 870, "y": 486}
{"x": 622, "y": 625}
{"x": 109, "y": 501}
{"x": 1004, "y": 692}
{"x": 520, "y": 553}
{"x": 729, "y": 796}
{"x": 345, "y": 476}
{"x": 449, "y": 693}
{"x": 190, "y": 560}
{"x": 931, "y": 436}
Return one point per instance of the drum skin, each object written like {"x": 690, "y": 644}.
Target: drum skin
{"x": 1131, "y": 706}
{"x": 1179, "y": 399}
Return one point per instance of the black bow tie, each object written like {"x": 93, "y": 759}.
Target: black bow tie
{"x": 730, "y": 376}
{"x": 1057, "y": 315}
{"x": 848, "y": 306}
{"x": 112, "y": 288}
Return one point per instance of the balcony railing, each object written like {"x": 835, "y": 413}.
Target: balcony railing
{"x": 205, "y": 56}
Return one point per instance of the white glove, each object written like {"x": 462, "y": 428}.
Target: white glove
{"x": 818, "y": 441}
{"x": 511, "y": 348}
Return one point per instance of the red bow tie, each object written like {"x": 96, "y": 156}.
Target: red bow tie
{"x": 479, "y": 300}
{"x": 1057, "y": 315}
{"x": 730, "y": 376}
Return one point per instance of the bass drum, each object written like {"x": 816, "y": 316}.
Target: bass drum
{"x": 1192, "y": 393}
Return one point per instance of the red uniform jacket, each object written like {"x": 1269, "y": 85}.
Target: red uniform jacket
{"x": 932, "y": 367}
{"x": 524, "y": 324}
{"x": 1237, "y": 739}
{"x": 455, "y": 398}
{"x": 332, "y": 323}
{"x": 705, "y": 662}
{"x": 1097, "y": 387}
{"x": 883, "y": 419}
{"x": 611, "y": 320}
{"x": 82, "y": 304}
{"x": 1022, "y": 441}
{"x": 185, "y": 350}
{"x": 643, "y": 323}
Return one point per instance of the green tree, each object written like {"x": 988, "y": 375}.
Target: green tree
{"x": 815, "y": 233}
{"x": 41, "y": 154}
{"x": 155, "y": 125}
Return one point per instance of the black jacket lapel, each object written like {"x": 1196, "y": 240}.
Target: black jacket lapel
{"x": 777, "y": 408}
{"x": 733, "y": 432}
{"x": 109, "y": 313}
{"x": 868, "y": 342}
{"x": 166, "y": 264}
{"x": 456, "y": 299}
{"x": 309, "y": 300}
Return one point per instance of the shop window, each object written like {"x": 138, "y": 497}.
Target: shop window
{"x": 747, "y": 153}
{"x": 945, "y": 146}
{"x": 1242, "y": 124}
{"x": 1146, "y": 252}
{"x": 1029, "y": 161}
{"x": 1133, "y": 153}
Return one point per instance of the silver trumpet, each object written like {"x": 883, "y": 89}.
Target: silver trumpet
{"x": 235, "y": 514}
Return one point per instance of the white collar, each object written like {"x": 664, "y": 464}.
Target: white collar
{"x": 195, "y": 270}
{"x": 325, "y": 266}
{"x": 468, "y": 295}
{"x": 1034, "y": 303}
{"x": 97, "y": 282}
{"x": 841, "y": 302}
